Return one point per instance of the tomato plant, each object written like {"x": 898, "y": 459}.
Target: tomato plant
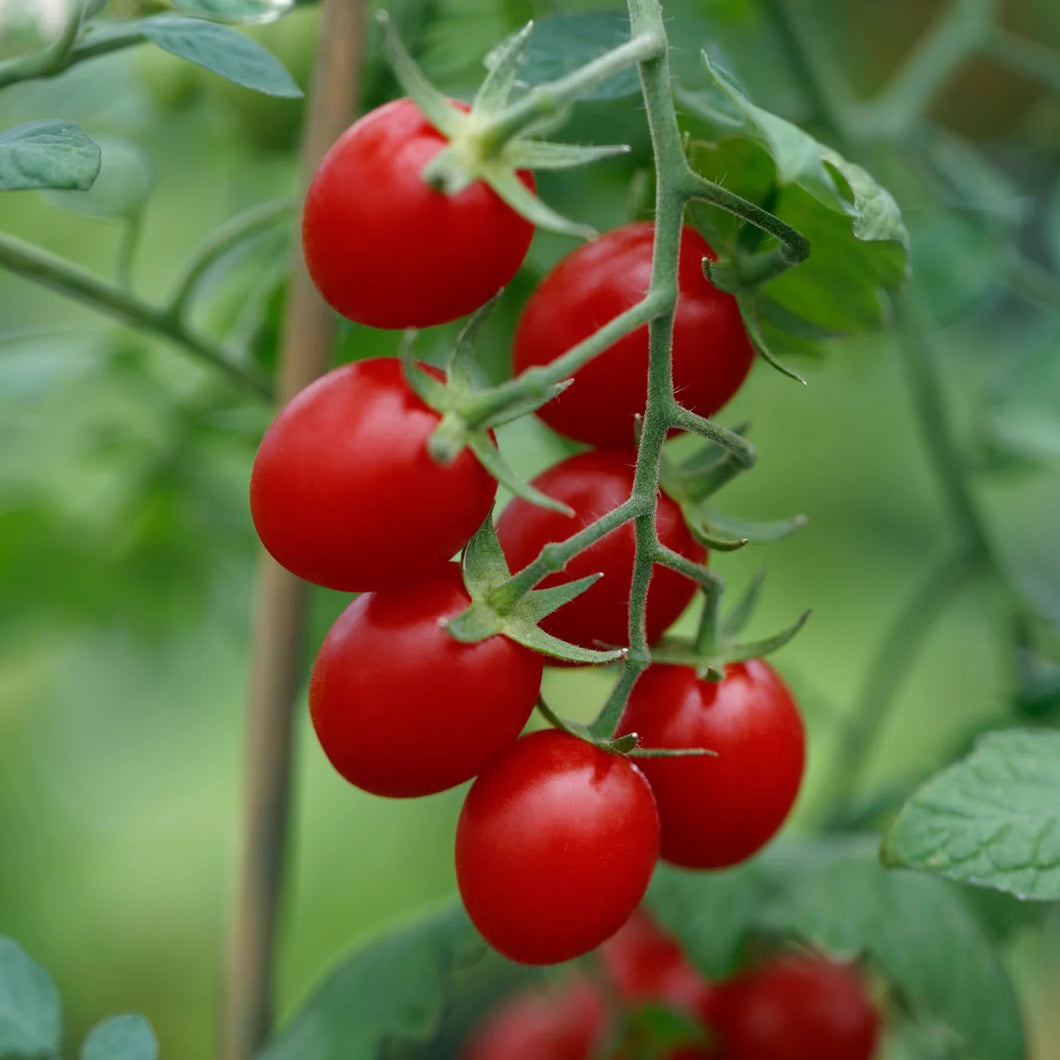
{"x": 403, "y": 709}
{"x": 593, "y": 484}
{"x": 340, "y": 477}
{"x": 717, "y": 811}
{"x": 795, "y": 1006}
{"x": 594, "y": 284}
{"x": 388, "y": 250}
{"x": 542, "y": 883}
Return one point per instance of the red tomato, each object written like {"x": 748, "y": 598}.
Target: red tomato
{"x": 602, "y": 279}
{"x": 555, "y": 847}
{"x": 344, "y": 493}
{"x": 386, "y": 249}
{"x": 795, "y": 1007}
{"x": 717, "y": 811}
{"x": 593, "y": 484}
{"x": 647, "y": 966}
{"x": 566, "y": 1023}
{"x": 403, "y": 709}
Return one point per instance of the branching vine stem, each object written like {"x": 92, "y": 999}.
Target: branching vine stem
{"x": 42, "y": 267}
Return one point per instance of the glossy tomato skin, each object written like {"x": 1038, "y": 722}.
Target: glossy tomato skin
{"x": 718, "y": 811}
{"x": 594, "y": 284}
{"x": 344, "y": 493}
{"x": 555, "y": 846}
{"x": 795, "y": 1007}
{"x": 565, "y": 1023}
{"x": 384, "y": 248}
{"x": 400, "y": 707}
{"x": 593, "y": 484}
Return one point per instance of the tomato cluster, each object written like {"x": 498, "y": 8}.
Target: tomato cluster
{"x": 792, "y": 1005}
{"x": 558, "y": 836}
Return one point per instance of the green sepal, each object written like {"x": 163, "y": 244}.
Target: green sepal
{"x": 541, "y": 602}
{"x": 462, "y": 370}
{"x": 532, "y": 636}
{"x": 502, "y": 68}
{"x": 680, "y": 651}
{"x": 706, "y": 534}
{"x": 528, "y": 404}
{"x": 484, "y": 564}
{"x": 434, "y": 105}
{"x": 749, "y": 530}
{"x": 748, "y": 310}
{"x": 502, "y": 179}
{"x": 757, "y": 648}
{"x": 433, "y": 391}
{"x": 544, "y": 154}
{"x": 489, "y": 456}
{"x": 476, "y": 622}
{"x": 738, "y": 617}
{"x": 704, "y": 472}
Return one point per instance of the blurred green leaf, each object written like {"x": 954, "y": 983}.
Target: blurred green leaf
{"x": 835, "y": 894}
{"x": 236, "y": 10}
{"x": 395, "y": 987}
{"x": 121, "y": 1038}
{"x": 562, "y": 43}
{"x": 125, "y": 180}
{"x": 47, "y": 154}
{"x": 992, "y": 819}
{"x": 223, "y": 50}
{"x": 31, "y": 1022}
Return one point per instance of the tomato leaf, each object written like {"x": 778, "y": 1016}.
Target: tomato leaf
{"x": 245, "y": 11}
{"x": 125, "y": 180}
{"x": 47, "y": 154}
{"x": 393, "y": 988}
{"x": 223, "y": 51}
{"x": 121, "y": 1038}
{"x": 992, "y": 819}
{"x": 561, "y": 44}
{"x": 31, "y": 1022}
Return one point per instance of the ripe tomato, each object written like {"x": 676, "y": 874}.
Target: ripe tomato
{"x": 403, "y": 709}
{"x": 555, "y": 847}
{"x": 795, "y": 1007}
{"x": 717, "y": 811}
{"x": 344, "y": 493}
{"x": 594, "y": 284}
{"x": 386, "y": 249}
{"x": 565, "y": 1023}
{"x": 647, "y": 966}
{"x": 593, "y": 484}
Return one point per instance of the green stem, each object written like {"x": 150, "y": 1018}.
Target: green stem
{"x": 54, "y": 61}
{"x": 239, "y": 228}
{"x": 48, "y": 270}
{"x": 543, "y": 101}
{"x": 1031, "y": 58}
{"x": 889, "y": 666}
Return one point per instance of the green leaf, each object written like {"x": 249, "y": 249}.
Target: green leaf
{"x": 834, "y": 894}
{"x": 121, "y": 1038}
{"x": 246, "y": 11}
{"x": 31, "y": 1022}
{"x": 122, "y": 187}
{"x": 915, "y": 928}
{"x": 992, "y": 819}
{"x": 47, "y": 154}
{"x": 222, "y": 50}
{"x": 394, "y": 988}
{"x": 562, "y": 43}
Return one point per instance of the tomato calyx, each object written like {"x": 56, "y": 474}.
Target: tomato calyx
{"x": 492, "y": 610}
{"x": 488, "y": 142}
{"x": 692, "y": 483}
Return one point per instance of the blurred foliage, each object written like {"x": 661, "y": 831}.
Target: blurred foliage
{"x": 126, "y": 548}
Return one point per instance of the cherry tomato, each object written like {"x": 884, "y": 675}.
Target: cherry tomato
{"x": 795, "y": 1007}
{"x": 593, "y": 484}
{"x": 344, "y": 493}
{"x": 590, "y": 287}
{"x": 386, "y": 249}
{"x": 647, "y": 966}
{"x": 717, "y": 811}
{"x": 403, "y": 709}
{"x": 565, "y": 1023}
{"x": 555, "y": 846}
